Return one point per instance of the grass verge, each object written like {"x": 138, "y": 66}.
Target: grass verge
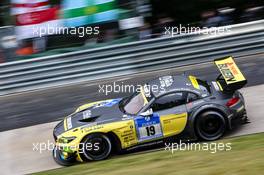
{"x": 245, "y": 157}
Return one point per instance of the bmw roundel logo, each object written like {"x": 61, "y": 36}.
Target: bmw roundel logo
{"x": 147, "y": 119}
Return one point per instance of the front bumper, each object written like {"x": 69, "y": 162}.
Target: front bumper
{"x": 64, "y": 158}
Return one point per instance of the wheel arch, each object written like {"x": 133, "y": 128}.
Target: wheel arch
{"x": 217, "y": 108}
{"x": 214, "y": 109}
{"x": 111, "y": 135}
{"x": 115, "y": 141}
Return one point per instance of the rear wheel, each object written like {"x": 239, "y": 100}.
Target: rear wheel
{"x": 96, "y": 147}
{"x": 210, "y": 125}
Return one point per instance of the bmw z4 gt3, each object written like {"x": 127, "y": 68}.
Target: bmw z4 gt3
{"x": 184, "y": 107}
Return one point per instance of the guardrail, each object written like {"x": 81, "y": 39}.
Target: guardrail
{"x": 125, "y": 59}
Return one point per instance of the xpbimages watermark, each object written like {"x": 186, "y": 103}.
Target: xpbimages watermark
{"x": 178, "y": 30}
{"x": 211, "y": 147}
{"x": 128, "y": 88}
{"x": 50, "y": 146}
{"x": 56, "y": 30}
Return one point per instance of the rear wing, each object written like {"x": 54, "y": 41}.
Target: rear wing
{"x": 231, "y": 78}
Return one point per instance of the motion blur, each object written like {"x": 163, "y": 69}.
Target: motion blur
{"x": 35, "y": 28}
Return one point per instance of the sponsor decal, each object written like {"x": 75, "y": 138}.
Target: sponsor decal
{"x": 111, "y": 103}
{"x": 216, "y": 86}
{"x": 166, "y": 81}
{"x": 91, "y": 128}
{"x": 229, "y": 70}
{"x": 87, "y": 114}
{"x": 226, "y": 71}
{"x": 148, "y": 127}
{"x": 69, "y": 123}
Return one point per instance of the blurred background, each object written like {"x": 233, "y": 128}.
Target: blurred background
{"x": 118, "y": 21}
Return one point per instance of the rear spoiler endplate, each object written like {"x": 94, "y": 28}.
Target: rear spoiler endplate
{"x": 231, "y": 78}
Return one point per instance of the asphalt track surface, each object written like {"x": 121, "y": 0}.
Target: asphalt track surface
{"x": 20, "y": 156}
{"x": 32, "y": 108}
{"x": 42, "y": 107}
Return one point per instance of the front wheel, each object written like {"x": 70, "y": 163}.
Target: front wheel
{"x": 96, "y": 147}
{"x": 210, "y": 125}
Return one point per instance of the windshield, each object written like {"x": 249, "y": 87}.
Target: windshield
{"x": 135, "y": 103}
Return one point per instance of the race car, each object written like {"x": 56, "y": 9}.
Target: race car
{"x": 179, "y": 106}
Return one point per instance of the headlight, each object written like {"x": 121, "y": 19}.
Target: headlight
{"x": 66, "y": 139}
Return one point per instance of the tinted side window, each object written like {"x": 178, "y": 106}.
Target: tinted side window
{"x": 192, "y": 97}
{"x": 169, "y": 101}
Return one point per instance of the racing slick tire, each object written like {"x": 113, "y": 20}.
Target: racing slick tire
{"x": 58, "y": 157}
{"x": 96, "y": 147}
{"x": 210, "y": 125}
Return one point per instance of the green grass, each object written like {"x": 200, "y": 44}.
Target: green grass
{"x": 246, "y": 157}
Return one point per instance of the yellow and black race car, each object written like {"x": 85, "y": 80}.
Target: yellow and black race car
{"x": 181, "y": 106}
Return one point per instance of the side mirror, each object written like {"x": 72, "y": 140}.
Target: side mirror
{"x": 147, "y": 113}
